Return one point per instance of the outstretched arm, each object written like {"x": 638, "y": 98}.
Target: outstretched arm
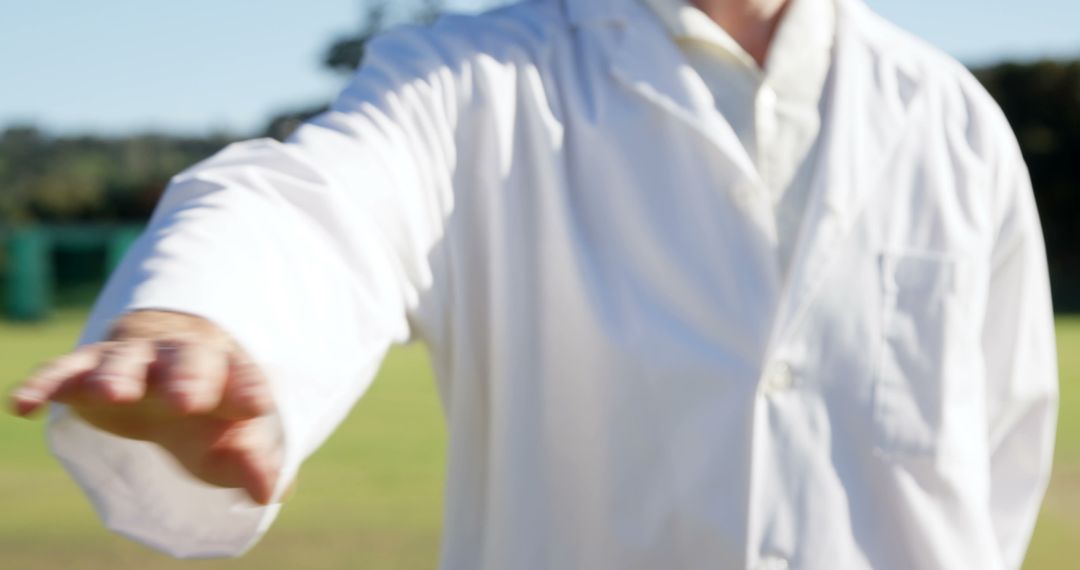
{"x": 308, "y": 258}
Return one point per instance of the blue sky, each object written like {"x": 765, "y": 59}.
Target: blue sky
{"x": 121, "y": 66}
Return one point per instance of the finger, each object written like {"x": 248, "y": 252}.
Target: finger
{"x": 120, "y": 376}
{"x": 247, "y": 392}
{"x": 49, "y": 381}
{"x": 190, "y": 376}
{"x": 244, "y": 455}
{"x": 259, "y": 462}
{"x": 254, "y": 467}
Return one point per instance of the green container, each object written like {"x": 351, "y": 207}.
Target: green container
{"x": 33, "y": 251}
{"x": 29, "y": 274}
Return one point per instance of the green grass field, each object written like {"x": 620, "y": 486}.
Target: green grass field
{"x": 372, "y": 496}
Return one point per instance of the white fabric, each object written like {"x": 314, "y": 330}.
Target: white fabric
{"x": 545, "y": 197}
{"x": 776, "y": 111}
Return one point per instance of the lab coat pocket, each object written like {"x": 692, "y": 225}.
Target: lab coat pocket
{"x": 918, "y": 290}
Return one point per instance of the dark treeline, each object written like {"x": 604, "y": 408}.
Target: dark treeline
{"x": 1042, "y": 102}
{"x": 89, "y": 178}
{"x": 54, "y": 179}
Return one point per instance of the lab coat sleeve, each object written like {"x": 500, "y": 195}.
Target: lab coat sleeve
{"x": 1020, "y": 359}
{"x": 316, "y": 254}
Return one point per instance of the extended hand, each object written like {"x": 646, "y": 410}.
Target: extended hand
{"x": 175, "y": 380}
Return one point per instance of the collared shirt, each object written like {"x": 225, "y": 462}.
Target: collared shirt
{"x": 775, "y": 111}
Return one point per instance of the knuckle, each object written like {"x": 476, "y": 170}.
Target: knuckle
{"x": 131, "y": 350}
{"x": 44, "y": 369}
{"x": 248, "y": 405}
{"x": 172, "y": 344}
{"x": 110, "y": 347}
{"x": 249, "y": 373}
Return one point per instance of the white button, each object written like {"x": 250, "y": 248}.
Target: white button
{"x": 766, "y": 115}
{"x": 772, "y": 563}
{"x": 778, "y": 379}
{"x": 766, "y": 99}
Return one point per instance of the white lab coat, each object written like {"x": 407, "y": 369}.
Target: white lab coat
{"x": 545, "y": 196}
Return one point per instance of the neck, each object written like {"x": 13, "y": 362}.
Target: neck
{"x": 752, "y": 23}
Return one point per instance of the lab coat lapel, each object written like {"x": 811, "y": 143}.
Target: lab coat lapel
{"x": 871, "y": 102}
{"x": 645, "y": 59}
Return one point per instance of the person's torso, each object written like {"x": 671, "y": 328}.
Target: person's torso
{"x": 630, "y": 382}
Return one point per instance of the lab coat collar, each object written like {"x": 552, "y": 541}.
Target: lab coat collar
{"x": 866, "y": 82}
{"x": 870, "y": 85}
{"x": 642, "y": 56}
{"x": 645, "y": 59}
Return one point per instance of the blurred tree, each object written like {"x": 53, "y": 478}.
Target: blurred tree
{"x": 1042, "y": 103}
{"x": 282, "y": 125}
{"x": 345, "y": 53}
{"x": 84, "y": 178}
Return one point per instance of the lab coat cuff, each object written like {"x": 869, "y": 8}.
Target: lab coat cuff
{"x": 140, "y": 492}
